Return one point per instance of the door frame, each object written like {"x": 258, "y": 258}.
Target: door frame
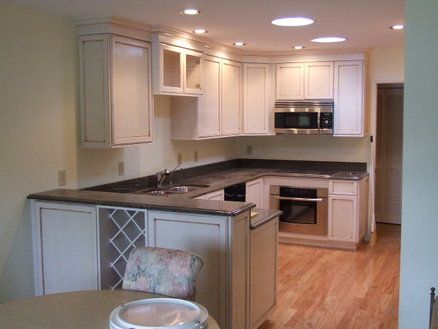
{"x": 373, "y": 129}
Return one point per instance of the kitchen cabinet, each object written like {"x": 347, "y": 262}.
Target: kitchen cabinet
{"x": 216, "y": 195}
{"x": 254, "y": 190}
{"x": 298, "y": 81}
{"x": 176, "y": 70}
{"x": 231, "y": 98}
{"x": 217, "y": 113}
{"x": 347, "y": 210}
{"x": 115, "y": 91}
{"x": 263, "y": 279}
{"x": 349, "y": 90}
{"x": 257, "y": 105}
{"x": 222, "y": 284}
{"x": 65, "y": 247}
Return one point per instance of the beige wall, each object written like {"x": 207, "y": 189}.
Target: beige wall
{"x": 38, "y": 106}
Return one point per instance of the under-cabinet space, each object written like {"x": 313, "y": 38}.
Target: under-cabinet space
{"x": 115, "y": 91}
{"x": 216, "y": 195}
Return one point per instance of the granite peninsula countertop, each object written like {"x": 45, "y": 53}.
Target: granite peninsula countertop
{"x": 214, "y": 177}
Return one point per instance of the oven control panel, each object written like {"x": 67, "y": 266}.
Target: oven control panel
{"x": 326, "y": 121}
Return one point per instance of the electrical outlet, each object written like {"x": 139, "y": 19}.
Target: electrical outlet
{"x": 196, "y": 156}
{"x": 179, "y": 159}
{"x": 62, "y": 178}
{"x": 121, "y": 168}
{"x": 249, "y": 149}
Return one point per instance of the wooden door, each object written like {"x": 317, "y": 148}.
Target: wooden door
{"x": 209, "y": 104}
{"x": 231, "y": 98}
{"x": 389, "y": 147}
{"x": 290, "y": 81}
{"x": 318, "y": 80}
{"x": 256, "y": 98}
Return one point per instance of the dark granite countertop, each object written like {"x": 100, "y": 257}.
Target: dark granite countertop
{"x": 142, "y": 201}
{"x": 214, "y": 176}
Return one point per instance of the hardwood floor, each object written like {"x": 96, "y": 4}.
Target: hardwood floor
{"x": 333, "y": 289}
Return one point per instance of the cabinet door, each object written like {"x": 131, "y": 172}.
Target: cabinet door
{"x": 263, "y": 275}
{"x": 131, "y": 88}
{"x": 231, "y": 98}
{"x": 254, "y": 192}
{"x": 349, "y": 99}
{"x": 318, "y": 80}
{"x": 193, "y": 72}
{"x": 94, "y": 90}
{"x": 256, "y": 98}
{"x": 205, "y": 236}
{"x": 65, "y": 248}
{"x": 209, "y": 116}
{"x": 216, "y": 195}
{"x": 290, "y": 81}
{"x": 171, "y": 69}
{"x": 342, "y": 217}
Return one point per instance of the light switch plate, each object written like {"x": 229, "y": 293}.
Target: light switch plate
{"x": 196, "y": 156}
{"x": 179, "y": 159}
{"x": 62, "y": 177}
{"x": 121, "y": 168}
{"x": 248, "y": 149}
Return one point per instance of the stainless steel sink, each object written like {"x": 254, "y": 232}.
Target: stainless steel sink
{"x": 179, "y": 189}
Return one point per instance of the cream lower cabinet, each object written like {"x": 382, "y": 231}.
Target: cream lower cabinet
{"x": 223, "y": 244}
{"x": 115, "y": 91}
{"x": 348, "y": 215}
{"x": 263, "y": 279}
{"x": 254, "y": 190}
{"x": 216, "y": 195}
{"x": 65, "y": 247}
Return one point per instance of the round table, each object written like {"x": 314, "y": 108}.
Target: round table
{"x": 70, "y": 310}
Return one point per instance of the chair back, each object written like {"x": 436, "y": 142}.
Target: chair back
{"x": 163, "y": 271}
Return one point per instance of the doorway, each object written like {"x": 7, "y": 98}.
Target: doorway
{"x": 389, "y": 153}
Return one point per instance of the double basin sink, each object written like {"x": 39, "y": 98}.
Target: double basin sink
{"x": 168, "y": 190}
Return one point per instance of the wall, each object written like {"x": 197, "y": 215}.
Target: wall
{"x": 419, "y": 254}
{"x": 38, "y": 134}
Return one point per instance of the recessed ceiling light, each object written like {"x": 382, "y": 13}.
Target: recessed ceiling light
{"x": 329, "y": 39}
{"x": 398, "y": 27}
{"x": 298, "y": 47}
{"x": 167, "y": 34}
{"x": 190, "y": 11}
{"x": 206, "y": 46}
{"x": 199, "y": 31}
{"x": 292, "y": 21}
{"x": 239, "y": 43}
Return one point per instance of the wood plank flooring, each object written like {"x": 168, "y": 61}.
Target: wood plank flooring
{"x": 334, "y": 289}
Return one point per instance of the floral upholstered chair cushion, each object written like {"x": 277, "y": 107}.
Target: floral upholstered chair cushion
{"x": 163, "y": 271}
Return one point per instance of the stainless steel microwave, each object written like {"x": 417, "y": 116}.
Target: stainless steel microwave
{"x": 307, "y": 118}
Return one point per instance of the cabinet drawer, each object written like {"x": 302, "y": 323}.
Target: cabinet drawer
{"x": 343, "y": 187}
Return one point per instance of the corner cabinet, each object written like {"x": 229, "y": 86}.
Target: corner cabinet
{"x": 176, "y": 70}
{"x": 218, "y": 112}
{"x": 115, "y": 91}
{"x": 349, "y": 91}
{"x": 257, "y": 104}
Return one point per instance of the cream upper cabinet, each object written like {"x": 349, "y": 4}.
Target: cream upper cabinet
{"x": 176, "y": 70}
{"x": 231, "y": 98}
{"x": 115, "y": 91}
{"x": 210, "y": 103}
{"x": 318, "y": 80}
{"x": 290, "y": 81}
{"x": 256, "y": 98}
{"x": 349, "y": 111}
{"x": 310, "y": 80}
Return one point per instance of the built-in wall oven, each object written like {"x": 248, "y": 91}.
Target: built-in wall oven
{"x": 305, "y": 210}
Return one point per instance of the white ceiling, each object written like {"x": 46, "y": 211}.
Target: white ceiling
{"x": 365, "y": 23}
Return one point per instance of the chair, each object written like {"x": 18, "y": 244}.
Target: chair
{"x": 162, "y": 271}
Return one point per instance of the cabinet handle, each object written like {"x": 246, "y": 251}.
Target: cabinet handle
{"x": 298, "y": 199}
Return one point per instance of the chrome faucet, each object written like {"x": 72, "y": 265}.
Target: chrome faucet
{"x": 161, "y": 176}
{"x": 174, "y": 169}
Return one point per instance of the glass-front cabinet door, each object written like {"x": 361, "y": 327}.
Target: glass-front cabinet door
{"x": 193, "y": 76}
{"x": 172, "y": 69}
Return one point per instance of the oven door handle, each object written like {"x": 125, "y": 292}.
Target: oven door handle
{"x": 298, "y": 199}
